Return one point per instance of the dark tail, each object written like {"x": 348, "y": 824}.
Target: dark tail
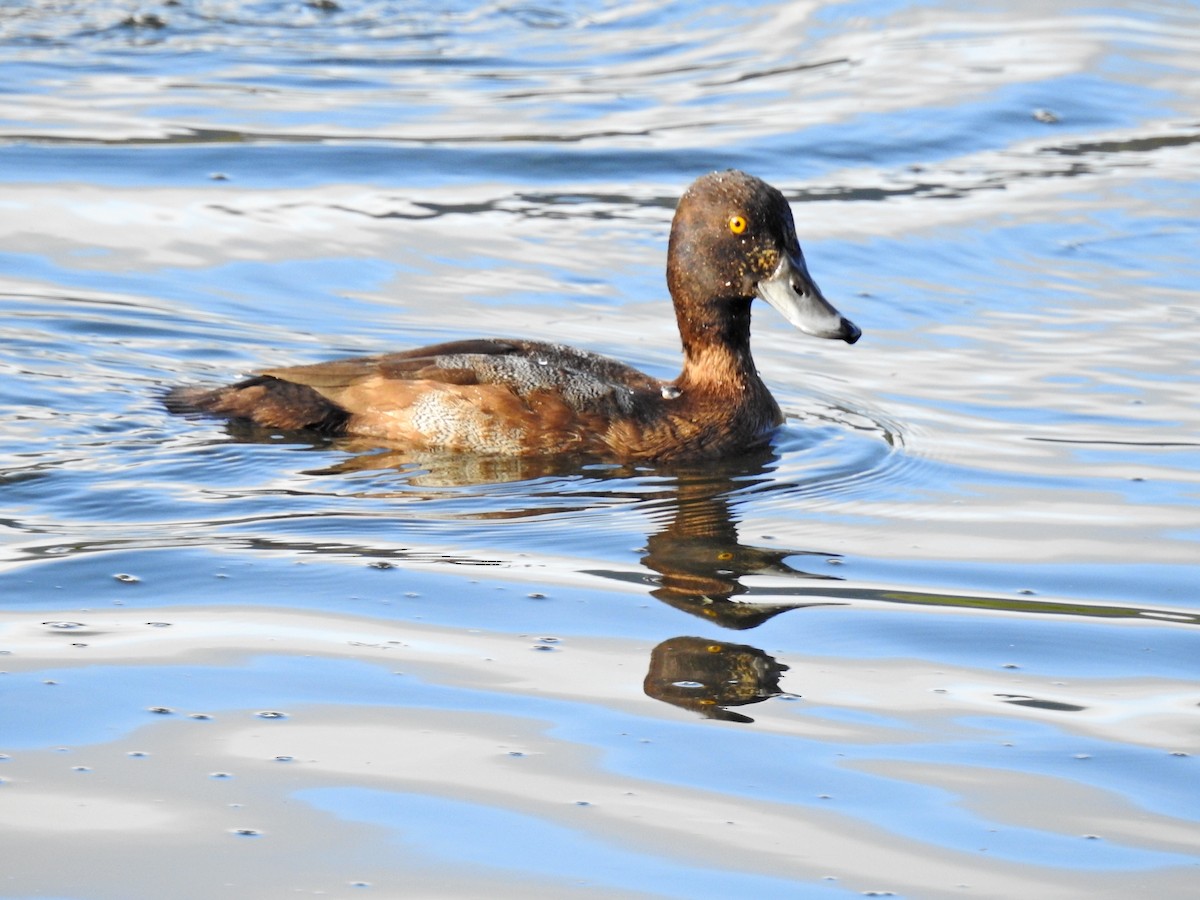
{"x": 263, "y": 400}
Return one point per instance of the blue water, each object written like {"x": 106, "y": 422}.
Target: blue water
{"x": 973, "y": 545}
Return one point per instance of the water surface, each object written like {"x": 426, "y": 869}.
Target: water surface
{"x": 940, "y": 640}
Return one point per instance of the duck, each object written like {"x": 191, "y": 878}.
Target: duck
{"x": 732, "y": 241}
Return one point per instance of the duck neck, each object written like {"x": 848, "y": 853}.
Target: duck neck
{"x": 716, "y": 350}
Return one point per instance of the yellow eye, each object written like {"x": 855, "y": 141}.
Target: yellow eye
{"x": 737, "y": 224}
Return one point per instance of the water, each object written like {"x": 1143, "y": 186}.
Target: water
{"x": 940, "y": 640}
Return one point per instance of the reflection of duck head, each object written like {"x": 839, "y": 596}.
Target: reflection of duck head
{"x": 709, "y": 676}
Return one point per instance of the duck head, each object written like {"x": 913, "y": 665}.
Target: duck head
{"x": 733, "y": 239}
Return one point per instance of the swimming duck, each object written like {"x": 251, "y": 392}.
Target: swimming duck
{"x": 732, "y": 240}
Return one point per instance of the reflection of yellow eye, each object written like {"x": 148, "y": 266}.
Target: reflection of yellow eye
{"x": 737, "y": 224}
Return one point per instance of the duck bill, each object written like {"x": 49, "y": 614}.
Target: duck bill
{"x": 791, "y": 290}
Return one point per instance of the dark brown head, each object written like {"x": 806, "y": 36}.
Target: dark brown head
{"x": 732, "y": 240}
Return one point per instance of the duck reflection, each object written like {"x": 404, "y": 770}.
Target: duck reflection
{"x": 695, "y": 553}
{"x": 693, "y": 550}
{"x": 700, "y": 561}
{"x": 708, "y": 676}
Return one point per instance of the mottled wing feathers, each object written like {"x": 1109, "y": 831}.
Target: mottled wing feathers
{"x": 421, "y": 364}
{"x": 585, "y": 380}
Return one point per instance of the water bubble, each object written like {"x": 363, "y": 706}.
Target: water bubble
{"x": 137, "y": 754}
{"x": 271, "y": 714}
{"x": 285, "y": 758}
{"x": 126, "y": 578}
{"x": 81, "y": 768}
{"x": 219, "y": 775}
{"x": 246, "y": 832}
{"x": 159, "y": 624}
{"x": 381, "y": 564}
{"x": 200, "y": 717}
{"x": 64, "y": 626}
{"x": 161, "y": 710}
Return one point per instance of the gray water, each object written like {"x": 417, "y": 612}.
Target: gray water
{"x": 940, "y": 641}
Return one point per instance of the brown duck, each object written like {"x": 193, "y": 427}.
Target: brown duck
{"x": 732, "y": 240}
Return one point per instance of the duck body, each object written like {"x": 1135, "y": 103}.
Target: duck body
{"x": 732, "y": 240}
